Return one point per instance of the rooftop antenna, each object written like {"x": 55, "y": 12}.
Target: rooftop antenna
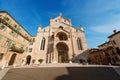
{"x": 81, "y": 28}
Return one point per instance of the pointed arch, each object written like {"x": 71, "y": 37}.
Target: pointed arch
{"x": 62, "y": 36}
{"x": 42, "y": 44}
{"x": 12, "y": 59}
{"x": 62, "y": 49}
{"x": 28, "y": 59}
{"x": 79, "y": 43}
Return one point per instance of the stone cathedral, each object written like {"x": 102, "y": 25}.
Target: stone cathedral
{"x": 59, "y": 42}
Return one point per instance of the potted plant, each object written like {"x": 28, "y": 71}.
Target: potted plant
{"x": 84, "y": 62}
{"x": 33, "y": 61}
{"x": 40, "y": 60}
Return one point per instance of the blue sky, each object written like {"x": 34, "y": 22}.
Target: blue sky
{"x": 98, "y": 17}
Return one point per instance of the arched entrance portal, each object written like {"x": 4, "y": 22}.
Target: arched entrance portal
{"x": 28, "y": 59}
{"x": 62, "y": 49}
{"x": 12, "y": 59}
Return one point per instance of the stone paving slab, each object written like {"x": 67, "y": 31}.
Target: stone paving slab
{"x": 3, "y": 72}
{"x": 117, "y": 69}
{"x": 62, "y": 73}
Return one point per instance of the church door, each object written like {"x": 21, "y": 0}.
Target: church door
{"x": 12, "y": 59}
{"x": 62, "y": 49}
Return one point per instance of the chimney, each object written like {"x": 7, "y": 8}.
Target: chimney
{"x": 114, "y": 31}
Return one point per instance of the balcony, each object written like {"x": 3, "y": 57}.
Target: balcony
{"x": 16, "y": 49}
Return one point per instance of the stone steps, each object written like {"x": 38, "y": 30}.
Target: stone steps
{"x": 63, "y": 65}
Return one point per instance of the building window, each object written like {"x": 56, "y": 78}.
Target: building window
{"x": 62, "y": 36}
{"x": 60, "y": 27}
{"x": 118, "y": 50}
{"x": 12, "y": 33}
{"x": 42, "y": 44}
{"x": 15, "y": 25}
{"x": 13, "y": 43}
{"x": 52, "y": 36}
{"x": 8, "y": 43}
{"x": 31, "y": 43}
{"x": 79, "y": 44}
{"x": 114, "y": 42}
{"x": 6, "y": 18}
{"x": 0, "y": 37}
{"x": 30, "y": 50}
{"x": 16, "y": 35}
{"x": 1, "y": 56}
{"x": 19, "y": 30}
{"x": 2, "y": 27}
{"x": 24, "y": 40}
{"x": 22, "y": 47}
{"x": 64, "y": 20}
{"x": 26, "y": 35}
{"x": 26, "y": 49}
{"x": 33, "y": 39}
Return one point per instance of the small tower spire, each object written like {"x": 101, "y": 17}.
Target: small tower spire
{"x": 60, "y": 14}
{"x": 40, "y": 28}
{"x": 81, "y": 28}
{"x": 40, "y": 25}
{"x": 50, "y": 18}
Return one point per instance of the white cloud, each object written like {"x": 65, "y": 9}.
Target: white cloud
{"x": 107, "y": 28}
{"x": 112, "y": 22}
{"x": 105, "y": 13}
{"x": 89, "y": 7}
{"x": 101, "y": 6}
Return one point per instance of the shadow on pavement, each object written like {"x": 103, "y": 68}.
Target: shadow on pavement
{"x": 62, "y": 73}
{"x": 89, "y": 73}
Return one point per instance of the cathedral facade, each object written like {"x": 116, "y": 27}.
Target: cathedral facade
{"x": 59, "y": 42}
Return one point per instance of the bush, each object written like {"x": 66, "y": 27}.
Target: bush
{"x": 33, "y": 61}
{"x": 84, "y": 61}
{"x": 40, "y": 60}
{"x": 89, "y": 60}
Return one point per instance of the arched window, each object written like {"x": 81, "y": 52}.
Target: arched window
{"x": 42, "y": 44}
{"x": 60, "y": 27}
{"x": 62, "y": 36}
{"x": 1, "y": 56}
{"x": 79, "y": 44}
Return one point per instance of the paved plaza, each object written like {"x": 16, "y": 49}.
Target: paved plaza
{"x": 63, "y": 72}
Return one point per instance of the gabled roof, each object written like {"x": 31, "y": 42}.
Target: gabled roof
{"x": 62, "y": 30}
{"x": 61, "y": 16}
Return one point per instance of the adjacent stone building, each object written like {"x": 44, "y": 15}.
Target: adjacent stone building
{"x": 115, "y": 39}
{"x": 14, "y": 40}
{"x": 108, "y": 52}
